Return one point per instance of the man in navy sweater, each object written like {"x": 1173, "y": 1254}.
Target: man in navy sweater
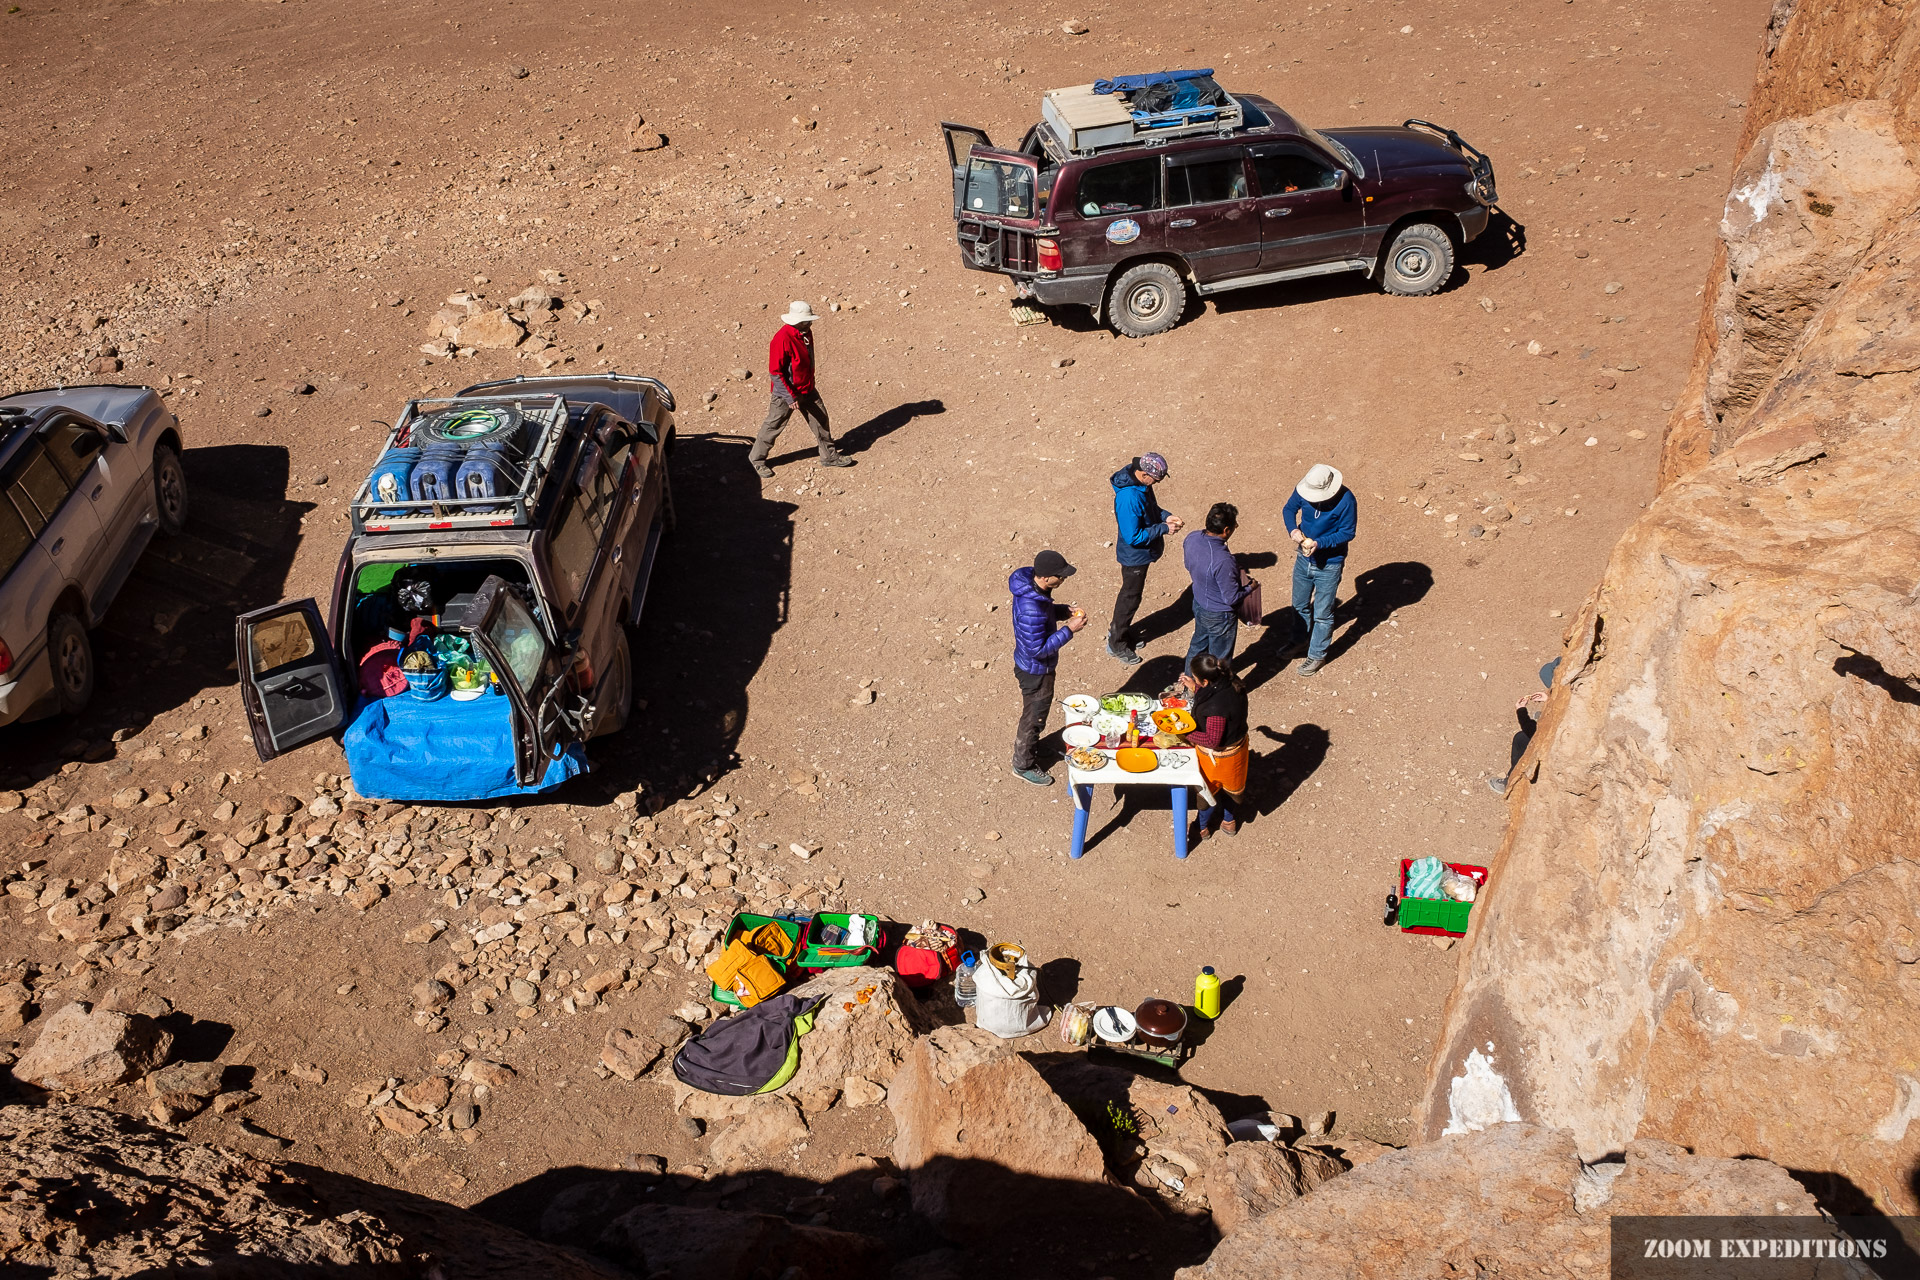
{"x": 1320, "y": 517}
{"x": 1217, "y": 588}
{"x": 1141, "y": 528}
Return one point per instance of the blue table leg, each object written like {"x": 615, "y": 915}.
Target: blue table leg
{"x": 1179, "y": 822}
{"x": 1082, "y": 806}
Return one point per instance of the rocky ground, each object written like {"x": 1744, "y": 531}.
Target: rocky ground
{"x": 267, "y": 212}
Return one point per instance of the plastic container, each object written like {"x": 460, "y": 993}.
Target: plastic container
{"x": 964, "y": 991}
{"x": 1437, "y": 915}
{"x": 816, "y": 952}
{"x": 428, "y": 686}
{"x": 747, "y": 922}
{"x": 1206, "y": 994}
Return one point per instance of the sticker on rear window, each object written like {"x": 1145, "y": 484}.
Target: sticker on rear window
{"x": 1123, "y": 231}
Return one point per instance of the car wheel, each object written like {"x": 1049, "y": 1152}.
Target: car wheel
{"x": 169, "y": 490}
{"x": 1147, "y": 299}
{"x": 613, "y": 718}
{"x": 1419, "y": 261}
{"x": 71, "y": 654}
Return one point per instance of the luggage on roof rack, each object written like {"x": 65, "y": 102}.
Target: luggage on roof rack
{"x": 463, "y": 462}
{"x": 1135, "y": 109}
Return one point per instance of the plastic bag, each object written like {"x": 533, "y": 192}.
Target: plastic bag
{"x": 1458, "y": 887}
{"x": 1076, "y": 1024}
{"x": 1423, "y": 878}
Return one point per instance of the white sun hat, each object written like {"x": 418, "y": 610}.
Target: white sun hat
{"x": 799, "y": 312}
{"x": 1321, "y": 482}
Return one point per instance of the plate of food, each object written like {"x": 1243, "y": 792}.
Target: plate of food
{"x": 1168, "y": 740}
{"x": 1173, "y": 720}
{"x": 1109, "y": 724}
{"x": 1087, "y": 759}
{"x": 1079, "y": 735}
{"x": 1081, "y": 707}
{"x": 1121, "y": 703}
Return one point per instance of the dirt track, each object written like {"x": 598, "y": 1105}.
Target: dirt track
{"x": 285, "y": 193}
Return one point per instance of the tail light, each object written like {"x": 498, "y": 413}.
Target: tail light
{"x": 6, "y": 658}
{"x": 1049, "y": 251}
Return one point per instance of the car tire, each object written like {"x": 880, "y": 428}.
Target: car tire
{"x": 169, "y": 490}
{"x": 70, "y": 653}
{"x": 1419, "y": 261}
{"x": 1146, "y": 300}
{"x": 615, "y": 717}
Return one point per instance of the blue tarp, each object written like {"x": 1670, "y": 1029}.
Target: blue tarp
{"x": 402, "y": 748}
{"x": 1132, "y": 84}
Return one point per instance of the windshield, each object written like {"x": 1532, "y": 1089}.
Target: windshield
{"x": 1353, "y": 161}
{"x": 1000, "y": 188}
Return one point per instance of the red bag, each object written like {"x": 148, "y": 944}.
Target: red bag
{"x": 1249, "y": 609}
{"x": 928, "y": 954}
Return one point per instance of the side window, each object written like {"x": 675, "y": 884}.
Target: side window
{"x": 16, "y": 535}
{"x": 1207, "y": 182}
{"x": 578, "y": 539}
{"x": 38, "y": 488}
{"x": 515, "y": 634}
{"x": 278, "y": 641}
{"x": 1282, "y": 171}
{"x": 74, "y": 445}
{"x": 1126, "y": 186}
{"x": 1000, "y": 187}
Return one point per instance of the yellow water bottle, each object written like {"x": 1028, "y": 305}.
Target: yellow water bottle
{"x": 1206, "y": 994}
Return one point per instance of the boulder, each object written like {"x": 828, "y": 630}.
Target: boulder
{"x": 16, "y": 1006}
{"x": 85, "y": 1048}
{"x": 714, "y": 1244}
{"x": 1703, "y": 925}
{"x": 628, "y": 1055}
{"x": 1254, "y": 1178}
{"x": 198, "y": 1079}
{"x": 490, "y": 329}
{"x": 985, "y": 1143}
{"x": 1499, "y": 1202}
{"x": 762, "y": 1136}
{"x": 869, "y": 1040}
{"x": 181, "y": 1208}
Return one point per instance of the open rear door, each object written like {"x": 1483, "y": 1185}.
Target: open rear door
{"x": 503, "y": 629}
{"x": 290, "y": 682}
{"x": 961, "y": 139}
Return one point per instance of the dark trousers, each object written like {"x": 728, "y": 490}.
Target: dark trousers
{"x": 1036, "y": 697}
{"x": 779, "y": 411}
{"x": 1133, "y": 585}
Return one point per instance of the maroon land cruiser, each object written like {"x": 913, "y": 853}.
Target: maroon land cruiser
{"x": 1107, "y": 208}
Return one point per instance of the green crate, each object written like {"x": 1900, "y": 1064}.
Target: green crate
{"x": 1431, "y": 913}
{"x": 815, "y": 954}
{"x": 747, "y": 922}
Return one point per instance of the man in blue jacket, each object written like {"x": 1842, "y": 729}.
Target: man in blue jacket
{"x": 1217, "y": 588}
{"x": 1142, "y": 530}
{"x": 1041, "y": 629}
{"x": 1320, "y": 517}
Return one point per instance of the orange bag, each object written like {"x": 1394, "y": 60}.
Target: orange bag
{"x": 771, "y": 940}
{"x": 749, "y": 975}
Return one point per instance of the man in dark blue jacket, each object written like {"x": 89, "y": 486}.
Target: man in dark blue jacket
{"x": 1320, "y": 517}
{"x": 1041, "y": 629}
{"x": 1217, "y": 588}
{"x": 1142, "y": 530}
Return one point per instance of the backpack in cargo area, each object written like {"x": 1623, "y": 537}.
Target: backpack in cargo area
{"x": 753, "y": 1051}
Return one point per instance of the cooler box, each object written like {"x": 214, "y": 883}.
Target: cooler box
{"x": 816, "y": 953}
{"x": 1437, "y": 915}
{"x": 746, "y": 922}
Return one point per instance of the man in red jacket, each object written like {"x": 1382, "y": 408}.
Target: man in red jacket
{"x": 790, "y": 370}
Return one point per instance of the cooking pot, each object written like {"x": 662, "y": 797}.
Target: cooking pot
{"x": 1161, "y": 1022}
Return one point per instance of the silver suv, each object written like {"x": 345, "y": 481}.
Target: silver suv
{"x": 87, "y": 474}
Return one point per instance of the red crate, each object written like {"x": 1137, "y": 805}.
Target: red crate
{"x": 1477, "y": 874}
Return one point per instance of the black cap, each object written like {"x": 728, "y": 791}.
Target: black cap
{"x": 1051, "y": 564}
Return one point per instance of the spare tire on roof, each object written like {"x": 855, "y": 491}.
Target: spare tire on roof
{"x": 479, "y": 424}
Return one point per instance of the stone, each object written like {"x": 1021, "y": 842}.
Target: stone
{"x": 977, "y": 1128}
{"x": 80, "y": 1047}
{"x": 770, "y": 1127}
{"x": 628, "y": 1055}
{"x": 365, "y": 896}
{"x": 645, "y": 1165}
{"x": 400, "y": 1120}
{"x": 862, "y": 1092}
{"x": 188, "y": 1209}
{"x": 1809, "y": 199}
{"x": 692, "y": 1126}
{"x": 281, "y": 806}
{"x": 490, "y": 330}
{"x": 671, "y": 1031}
{"x": 523, "y": 993}
{"x": 431, "y": 994}
{"x": 491, "y": 1074}
{"x": 1490, "y": 1203}
{"x": 1254, "y": 1178}
{"x": 464, "y": 1115}
{"x": 429, "y": 1096}
{"x": 308, "y": 1073}
{"x": 427, "y": 932}
{"x": 227, "y": 1103}
{"x": 16, "y": 1006}
{"x": 201, "y": 1079}
{"x": 172, "y": 1108}
{"x": 686, "y": 1243}
{"x": 1706, "y": 896}
{"x": 1075, "y": 27}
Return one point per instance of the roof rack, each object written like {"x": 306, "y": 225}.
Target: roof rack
{"x": 546, "y": 416}
{"x": 1091, "y": 118}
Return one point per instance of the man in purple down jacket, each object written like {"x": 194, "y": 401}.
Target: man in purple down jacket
{"x": 1041, "y": 629}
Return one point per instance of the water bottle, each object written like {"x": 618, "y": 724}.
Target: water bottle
{"x": 964, "y": 993}
{"x": 1206, "y": 993}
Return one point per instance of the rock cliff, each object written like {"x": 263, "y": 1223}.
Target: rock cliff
{"x": 1704, "y": 923}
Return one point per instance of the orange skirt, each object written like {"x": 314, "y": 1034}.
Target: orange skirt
{"x": 1225, "y": 770}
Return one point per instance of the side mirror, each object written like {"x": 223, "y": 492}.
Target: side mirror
{"x": 1340, "y": 179}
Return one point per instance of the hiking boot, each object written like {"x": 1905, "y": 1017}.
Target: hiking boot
{"x": 1231, "y": 827}
{"x": 836, "y": 460}
{"x": 1311, "y": 665}
{"x": 1122, "y": 652}
{"x": 1035, "y": 776}
{"x": 761, "y": 469}
{"x": 1497, "y": 784}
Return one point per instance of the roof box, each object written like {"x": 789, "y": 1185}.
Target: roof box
{"x": 1130, "y": 110}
